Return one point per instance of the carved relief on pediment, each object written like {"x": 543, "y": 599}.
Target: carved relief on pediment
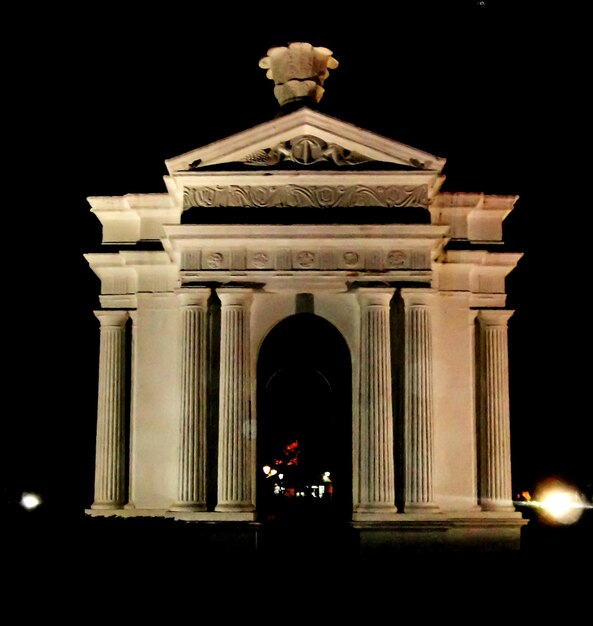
{"x": 306, "y": 150}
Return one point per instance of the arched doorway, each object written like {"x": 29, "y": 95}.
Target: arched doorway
{"x": 304, "y": 414}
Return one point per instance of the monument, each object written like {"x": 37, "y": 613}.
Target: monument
{"x": 304, "y": 327}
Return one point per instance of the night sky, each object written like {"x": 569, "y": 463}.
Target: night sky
{"x": 96, "y": 102}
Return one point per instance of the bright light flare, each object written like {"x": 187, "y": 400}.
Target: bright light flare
{"x": 563, "y": 505}
{"x": 30, "y": 501}
{"x": 558, "y": 502}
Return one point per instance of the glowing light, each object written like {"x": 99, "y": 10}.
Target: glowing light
{"x": 266, "y": 469}
{"x": 272, "y": 472}
{"x": 30, "y": 501}
{"x": 281, "y": 476}
{"x": 557, "y": 502}
{"x": 325, "y": 477}
{"x": 562, "y": 505}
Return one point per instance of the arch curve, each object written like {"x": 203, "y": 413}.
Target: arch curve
{"x": 304, "y": 416}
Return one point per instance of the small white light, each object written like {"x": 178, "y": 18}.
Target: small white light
{"x": 30, "y": 501}
{"x": 266, "y": 469}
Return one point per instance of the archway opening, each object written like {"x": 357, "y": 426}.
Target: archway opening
{"x": 304, "y": 412}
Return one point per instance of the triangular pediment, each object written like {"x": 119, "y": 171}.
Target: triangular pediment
{"x": 305, "y": 139}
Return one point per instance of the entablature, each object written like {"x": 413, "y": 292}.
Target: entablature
{"x": 298, "y": 189}
{"x": 134, "y": 217}
{"x": 475, "y": 217}
{"x": 131, "y": 272}
{"x": 475, "y": 271}
{"x": 349, "y": 248}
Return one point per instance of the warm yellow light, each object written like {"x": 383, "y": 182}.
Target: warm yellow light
{"x": 272, "y": 472}
{"x": 559, "y": 502}
{"x": 562, "y": 505}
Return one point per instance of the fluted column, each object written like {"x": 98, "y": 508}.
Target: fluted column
{"x": 235, "y": 443}
{"x": 110, "y": 445}
{"x": 418, "y": 401}
{"x": 133, "y": 389}
{"x": 494, "y": 431}
{"x": 191, "y": 484}
{"x": 376, "y": 482}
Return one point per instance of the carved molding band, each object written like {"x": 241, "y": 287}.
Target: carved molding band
{"x": 304, "y": 259}
{"x": 299, "y": 196}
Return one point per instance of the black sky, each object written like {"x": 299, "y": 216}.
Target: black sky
{"x": 97, "y": 101}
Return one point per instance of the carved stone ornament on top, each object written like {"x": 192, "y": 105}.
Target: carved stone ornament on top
{"x": 306, "y": 150}
{"x": 298, "y": 71}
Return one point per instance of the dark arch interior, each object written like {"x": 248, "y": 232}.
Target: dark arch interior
{"x": 304, "y": 421}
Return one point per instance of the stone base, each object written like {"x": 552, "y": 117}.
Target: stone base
{"x": 214, "y": 516}
{"x": 368, "y": 535}
{"x": 185, "y": 507}
{"x": 424, "y": 532}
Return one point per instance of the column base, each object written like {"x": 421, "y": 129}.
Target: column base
{"x": 376, "y": 512}
{"x": 497, "y": 505}
{"x": 421, "y": 507}
{"x": 106, "y": 506}
{"x": 234, "y": 516}
{"x": 234, "y": 507}
{"x": 188, "y": 507}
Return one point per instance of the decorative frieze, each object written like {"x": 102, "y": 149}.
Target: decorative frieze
{"x": 305, "y": 259}
{"x": 306, "y": 196}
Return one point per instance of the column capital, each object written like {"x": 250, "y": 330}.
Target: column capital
{"x": 235, "y": 295}
{"x": 111, "y": 317}
{"x": 375, "y": 295}
{"x": 417, "y": 297}
{"x": 494, "y": 317}
{"x": 197, "y": 296}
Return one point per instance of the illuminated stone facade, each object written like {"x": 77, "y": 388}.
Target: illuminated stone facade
{"x": 270, "y": 225}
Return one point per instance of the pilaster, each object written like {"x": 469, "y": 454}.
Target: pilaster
{"x": 191, "y": 489}
{"x": 110, "y": 446}
{"x": 494, "y": 445}
{"x": 375, "y": 437}
{"x": 133, "y": 390}
{"x": 418, "y": 401}
{"x": 236, "y": 441}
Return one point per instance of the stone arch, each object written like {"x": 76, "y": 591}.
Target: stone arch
{"x": 304, "y": 408}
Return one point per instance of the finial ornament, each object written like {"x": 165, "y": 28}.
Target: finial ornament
{"x": 298, "y": 71}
